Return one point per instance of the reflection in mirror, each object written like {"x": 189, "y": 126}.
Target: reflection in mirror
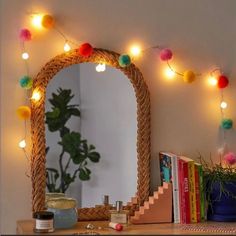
{"x": 107, "y": 121}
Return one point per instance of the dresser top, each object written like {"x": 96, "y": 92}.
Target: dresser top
{"x": 25, "y": 227}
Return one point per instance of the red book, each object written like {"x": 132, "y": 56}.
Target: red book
{"x": 185, "y": 204}
{"x": 197, "y": 186}
{"x": 181, "y": 192}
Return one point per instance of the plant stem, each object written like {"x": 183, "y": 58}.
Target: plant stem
{"x": 67, "y": 164}
{"x": 62, "y": 185}
{"x": 73, "y": 177}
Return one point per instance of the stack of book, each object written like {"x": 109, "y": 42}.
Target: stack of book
{"x": 187, "y": 180}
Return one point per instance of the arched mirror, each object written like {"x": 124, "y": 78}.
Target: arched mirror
{"x": 107, "y": 115}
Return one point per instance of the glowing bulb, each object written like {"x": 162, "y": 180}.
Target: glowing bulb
{"x": 101, "y": 67}
{"x": 212, "y": 81}
{"x": 25, "y": 56}
{"x": 37, "y": 21}
{"x": 36, "y": 96}
{"x": 22, "y": 144}
{"x": 67, "y": 47}
{"x": 135, "y": 50}
{"x": 223, "y": 105}
{"x": 169, "y": 73}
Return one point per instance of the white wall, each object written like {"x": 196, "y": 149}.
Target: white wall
{"x": 185, "y": 118}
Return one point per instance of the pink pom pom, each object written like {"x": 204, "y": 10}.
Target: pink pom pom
{"x": 25, "y": 35}
{"x": 230, "y": 158}
{"x": 166, "y": 54}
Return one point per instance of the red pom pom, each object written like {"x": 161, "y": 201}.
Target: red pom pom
{"x": 222, "y": 82}
{"x": 25, "y": 35}
{"x": 86, "y": 50}
{"x": 166, "y": 54}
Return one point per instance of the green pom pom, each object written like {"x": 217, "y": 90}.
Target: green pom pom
{"x": 26, "y": 82}
{"x": 226, "y": 123}
{"x": 124, "y": 60}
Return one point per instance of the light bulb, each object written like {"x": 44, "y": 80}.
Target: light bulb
{"x": 67, "y": 47}
{"x": 101, "y": 67}
{"x": 212, "y": 81}
{"x": 25, "y": 56}
{"x": 170, "y": 74}
{"x": 36, "y": 96}
{"x": 135, "y": 50}
{"x": 223, "y": 105}
{"x": 22, "y": 144}
{"x": 37, "y": 21}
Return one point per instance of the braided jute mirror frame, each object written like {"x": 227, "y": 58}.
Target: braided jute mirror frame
{"x": 38, "y": 155}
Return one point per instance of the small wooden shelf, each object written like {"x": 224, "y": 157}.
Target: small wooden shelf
{"x": 25, "y": 227}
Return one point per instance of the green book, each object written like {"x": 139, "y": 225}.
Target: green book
{"x": 202, "y": 194}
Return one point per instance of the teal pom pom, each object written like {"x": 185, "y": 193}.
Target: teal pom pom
{"x": 124, "y": 60}
{"x": 226, "y": 123}
{"x": 26, "y": 82}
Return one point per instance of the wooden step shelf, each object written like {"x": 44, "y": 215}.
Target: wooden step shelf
{"x": 158, "y": 208}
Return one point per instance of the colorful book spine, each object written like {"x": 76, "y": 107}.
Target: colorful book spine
{"x": 175, "y": 182}
{"x": 184, "y": 192}
{"x": 165, "y": 168}
{"x": 169, "y": 173}
{"x": 181, "y": 190}
{"x": 192, "y": 192}
{"x": 197, "y": 191}
{"x": 202, "y": 194}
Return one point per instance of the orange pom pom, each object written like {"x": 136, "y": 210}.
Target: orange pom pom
{"x": 23, "y": 112}
{"x": 48, "y": 21}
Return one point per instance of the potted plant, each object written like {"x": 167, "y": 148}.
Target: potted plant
{"x": 78, "y": 150}
{"x": 220, "y": 188}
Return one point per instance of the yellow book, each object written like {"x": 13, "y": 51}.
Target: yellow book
{"x": 192, "y": 192}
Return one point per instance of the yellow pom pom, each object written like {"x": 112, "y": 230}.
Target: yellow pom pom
{"x": 23, "y": 112}
{"x": 48, "y": 21}
{"x": 189, "y": 76}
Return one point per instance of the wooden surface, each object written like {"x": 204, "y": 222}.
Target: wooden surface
{"x": 25, "y": 227}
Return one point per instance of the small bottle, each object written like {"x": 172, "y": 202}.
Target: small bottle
{"x": 119, "y": 215}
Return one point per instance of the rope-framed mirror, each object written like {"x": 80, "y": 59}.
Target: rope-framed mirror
{"x": 38, "y": 155}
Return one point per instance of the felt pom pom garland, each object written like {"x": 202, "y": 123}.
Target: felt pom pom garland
{"x": 86, "y": 50}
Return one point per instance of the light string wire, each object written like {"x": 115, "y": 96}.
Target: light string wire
{"x": 158, "y": 47}
{"x": 27, "y": 172}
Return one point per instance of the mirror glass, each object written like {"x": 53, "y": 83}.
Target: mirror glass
{"x": 100, "y": 142}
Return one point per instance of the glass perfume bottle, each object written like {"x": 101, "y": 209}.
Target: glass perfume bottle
{"x": 119, "y": 215}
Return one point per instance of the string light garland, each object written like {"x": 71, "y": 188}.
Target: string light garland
{"x": 216, "y": 77}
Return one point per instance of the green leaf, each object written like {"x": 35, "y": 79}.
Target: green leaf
{"x": 78, "y": 158}
{"x": 68, "y": 179}
{"x": 53, "y": 114}
{"x": 87, "y": 170}
{"x": 64, "y": 131}
{"x": 74, "y": 111}
{"x": 94, "y": 156}
{"x": 91, "y": 147}
{"x": 61, "y": 110}
{"x": 84, "y": 175}
{"x": 71, "y": 142}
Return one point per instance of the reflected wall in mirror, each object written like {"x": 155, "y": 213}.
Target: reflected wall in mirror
{"x": 107, "y": 121}
{"x": 143, "y": 144}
